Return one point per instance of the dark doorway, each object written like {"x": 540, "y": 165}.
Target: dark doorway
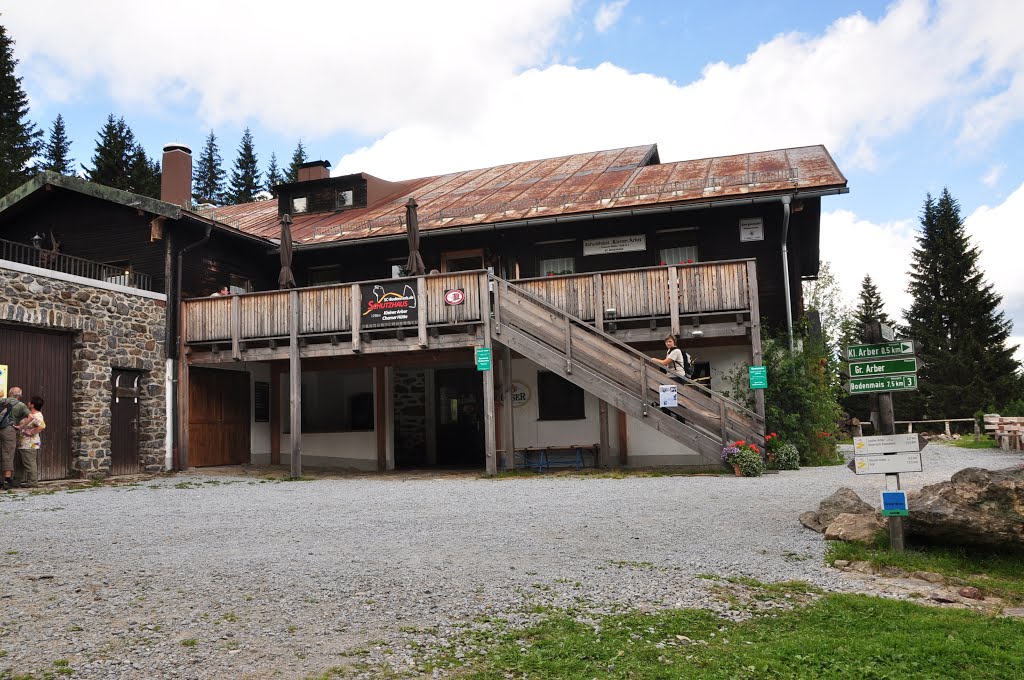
{"x": 460, "y": 418}
{"x": 124, "y": 421}
{"x": 218, "y": 417}
{"x": 39, "y": 362}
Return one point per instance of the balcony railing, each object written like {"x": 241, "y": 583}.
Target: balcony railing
{"x": 75, "y": 266}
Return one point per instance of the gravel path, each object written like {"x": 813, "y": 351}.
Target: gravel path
{"x": 194, "y": 576}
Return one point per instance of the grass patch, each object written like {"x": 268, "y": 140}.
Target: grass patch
{"x": 967, "y": 442}
{"x": 839, "y": 636}
{"x": 189, "y": 642}
{"x": 998, "y": 574}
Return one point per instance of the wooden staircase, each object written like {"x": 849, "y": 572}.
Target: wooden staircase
{"x": 616, "y": 373}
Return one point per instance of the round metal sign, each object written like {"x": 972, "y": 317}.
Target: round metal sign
{"x": 455, "y": 296}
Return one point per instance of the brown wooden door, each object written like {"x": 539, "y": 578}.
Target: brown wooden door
{"x": 39, "y": 362}
{"x": 124, "y": 421}
{"x": 218, "y": 417}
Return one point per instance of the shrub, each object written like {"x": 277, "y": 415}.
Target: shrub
{"x": 747, "y": 457}
{"x": 784, "y": 457}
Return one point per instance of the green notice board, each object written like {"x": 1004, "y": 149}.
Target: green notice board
{"x": 758, "y": 377}
{"x": 483, "y": 358}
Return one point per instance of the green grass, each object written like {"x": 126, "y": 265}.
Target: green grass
{"x": 998, "y": 574}
{"x": 839, "y": 636}
{"x": 967, "y": 442}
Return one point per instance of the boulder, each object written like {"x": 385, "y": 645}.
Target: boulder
{"x": 843, "y": 501}
{"x": 854, "y": 528}
{"x": 976, "y": 507}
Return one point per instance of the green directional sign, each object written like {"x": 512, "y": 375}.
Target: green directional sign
{"x": 483, "y": 358}
{"x": 884, "y": 383}
{"x": 883, "y": 367}
{"x": 880, "y": 350}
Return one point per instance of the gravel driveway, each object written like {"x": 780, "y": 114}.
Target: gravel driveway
{"x": 195, "y": 576}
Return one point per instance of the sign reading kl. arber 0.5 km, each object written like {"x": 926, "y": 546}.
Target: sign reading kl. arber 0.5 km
{"x": 880, "y": 350}
{"x": 388, "y": 304}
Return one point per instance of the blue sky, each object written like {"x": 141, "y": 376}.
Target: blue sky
{"x": 909, "y": 96}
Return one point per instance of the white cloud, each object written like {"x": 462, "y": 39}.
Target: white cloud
{"x": 608, "y": 14}
{"x": 991, "y": 177}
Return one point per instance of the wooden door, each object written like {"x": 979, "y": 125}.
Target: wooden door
{"x": 39, "y": 362}
{"x": 218, "y": 417}
{"x": 124, "y": 421}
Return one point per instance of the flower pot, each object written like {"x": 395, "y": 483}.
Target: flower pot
{"x": 737, "y": 471}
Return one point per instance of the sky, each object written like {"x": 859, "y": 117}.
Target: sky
{"x": 909, "y": 97}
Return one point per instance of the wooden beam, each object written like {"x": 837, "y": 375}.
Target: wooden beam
{"x": 673, "y": 299}
{"x": 568, "y": 345}
{"x": 389, "y": 418}
{"x": 356, "y": 318}
{"x": 599, "y": 302}
{"x": 490, "y": 445}
{"x": 755, "y": 331}
{"x": 421, "y": 311}
{"x": 236, "y": 327}
{"x": 623, "y": 438}
{"x": 183, "y": 411}
{"x": 605, "y": 442}
{"x": 508, "y": 430}
{"x": 380, "y": 416}
{"x": 277, "y": 370}
{"x": 295, "y": 382}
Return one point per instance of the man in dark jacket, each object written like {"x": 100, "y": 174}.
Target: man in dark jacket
{"x": 12, "y": 412}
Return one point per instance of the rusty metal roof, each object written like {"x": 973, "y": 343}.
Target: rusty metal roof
{"x": 580, "y": 183}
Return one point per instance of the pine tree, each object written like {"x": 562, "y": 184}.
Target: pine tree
{"x": 869, "y": 306}
{"x": 208, "y": 177}
{"x": 298, "y": 158}
{"x": 245, "y": 177}
{"x": 954, "y": 318}
{"x": 144, "y": 174}
{"x": 115, "y": 150}
{"x": 274, "y": 176}
{"x": 19, "y": 137}
{"x": 57, "y": 149}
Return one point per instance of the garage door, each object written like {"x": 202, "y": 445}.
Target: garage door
{"x": 39, "y": 362}
{"x": 218, "y": 417}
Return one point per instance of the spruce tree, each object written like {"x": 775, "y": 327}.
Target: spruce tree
{"x": 298, "y": 158}
{"x": 208, "y": 177}
{"x": 144, "y": 174}
{"x": 274, "y": 176}
{"x": 854, "y": 332}
{"x": 56, "y": 152}
{"x": 19, "y": 137}
{"x": 115, "y": 151}
{"x": 954, "y": 318}
{"x": 869, "y": 306}
{"x": 245, "y": 177}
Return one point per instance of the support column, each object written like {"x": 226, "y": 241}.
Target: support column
{"x": 623, "y": 439}
{"x": 183, "y": 395}
{"x": 295, "y": 383}
{"x": 490, "y": 445}
{"x": 380, "y": 418}
{"x": 756, "y": 357}
{"x": 276, "y": 372}
{"x": 431, "y": 415}
{"x": 605, "y": 443}
{"x": 509, "y": 426}
{"x": 389, "y": 418}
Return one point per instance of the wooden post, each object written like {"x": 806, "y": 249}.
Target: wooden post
{"x": 673, "y": 299}
{"x": 380, "y": 417}
{"x": 490, "y": 445}
{"x": 276, "y": 371}
{"x": 605, "y": 441}
{"x": 643, "y": 385}
{"x": 508, "y": 431}
{"x": 888, "y": 426}
{"x": 977, "y": 432}
{"x": 295, "y": 382}
{"x": 183, "y": 413}
{"x": 623, "y": 438}
{"x": 356, "y": 318}
{"x": 599, "y": 302}
{"x": 568, "y": 345}
{"x": 497, "y": 306}
{"x": 389, "y": 418}
{"x": 910, "y": 428}
{"x": 236, "y": 327}
{"x": 422, "y": 310}
{"x": 947, "y": 429}
{"x": 755, "y": 330}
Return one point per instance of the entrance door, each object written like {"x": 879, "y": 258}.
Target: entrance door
{"x": 460, "y": 417}
{"x": 39, "y": 362}
{"x": 218, "y": 417}
{"x": 124, "y": 421}
{"x": 462, "y": 261}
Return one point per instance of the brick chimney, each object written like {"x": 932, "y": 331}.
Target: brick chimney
{"x": 176, "y": 175}
{"x": 313, "y": 170}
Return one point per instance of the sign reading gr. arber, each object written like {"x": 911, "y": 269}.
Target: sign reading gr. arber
{"x": 388, "y": 303}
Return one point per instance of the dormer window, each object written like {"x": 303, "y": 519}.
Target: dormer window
{"x": 300, "y": 204}
{"x": 343, "y": 199}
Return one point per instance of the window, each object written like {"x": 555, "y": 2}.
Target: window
{"x": 556, "y": 266}
{"x": 557, "y": 398}
{"x": 343, "y": 199}
{"x": 678, "y": 255}
{"x": 239, "y": 284}
{"x": 300, "y": 204}
{"x": 333, "y": 401}
{"x": 321, "y": 276}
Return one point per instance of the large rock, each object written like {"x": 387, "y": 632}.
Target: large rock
{"x": 843, "y": 501}
{"x": 860, "y": 528}
{"x": 975, "y": 507}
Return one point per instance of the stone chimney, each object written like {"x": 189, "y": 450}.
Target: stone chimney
{"x": 176, "y": 175}
{"x": 313, "y": 170}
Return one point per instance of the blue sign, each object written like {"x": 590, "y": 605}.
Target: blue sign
{"x": 894, "y": 504}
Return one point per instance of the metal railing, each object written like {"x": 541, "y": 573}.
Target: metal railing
{"x": 21, "y": 253}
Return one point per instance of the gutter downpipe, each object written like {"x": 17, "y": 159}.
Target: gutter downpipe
{"x": 785, "y": 267}
{"x": 174, "y": 411}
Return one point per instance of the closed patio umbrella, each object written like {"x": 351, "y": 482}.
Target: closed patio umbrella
{"x": 286, "y": 279}
{"x": 414, "y": 266}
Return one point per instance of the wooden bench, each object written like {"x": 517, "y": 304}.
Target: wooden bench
{"x": 1007, "y": 430}
{"x": 543, "y": 458}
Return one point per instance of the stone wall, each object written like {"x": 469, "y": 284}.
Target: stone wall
{"x": 410, "y": 416}
{"x": 112, "y": 328}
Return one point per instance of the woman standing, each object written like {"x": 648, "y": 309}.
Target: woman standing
{"x": 29, "y": 442}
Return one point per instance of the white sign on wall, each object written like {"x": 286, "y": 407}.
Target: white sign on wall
{"x": 520, "y": 394}
{"x": 614, "y": 244}
{"x": 669, "y": 395}
{"x": 751, "y": 229}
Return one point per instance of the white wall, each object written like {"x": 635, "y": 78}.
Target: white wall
{"x": 529, "y": 431}
{"x": 334, "y": 449}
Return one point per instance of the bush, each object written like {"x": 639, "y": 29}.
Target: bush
{"x": 784, "y": 457}
{"x": 747, "y": 457}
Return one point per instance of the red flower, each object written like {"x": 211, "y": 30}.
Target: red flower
{"x": 689, "y": 262}
{"x": 663, "y": 262}
{"x": 741, "y": 442}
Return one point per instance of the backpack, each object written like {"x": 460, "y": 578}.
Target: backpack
{"x": 6, "y": 414}
{"x": 687, "y": 365}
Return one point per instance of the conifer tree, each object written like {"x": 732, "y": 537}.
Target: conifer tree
{"x": 274, "y": 176}
{"x": 19, "y": 137}
{"x": 120, "y": 162}
{"x": 298, "y": 158}
{"x": 208, "y": 177}
{"x": 954, "y": 318}
{"x": 245, "y": 177}
{"x": 869, "y": 306}
{"x": 56, "y": 152}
